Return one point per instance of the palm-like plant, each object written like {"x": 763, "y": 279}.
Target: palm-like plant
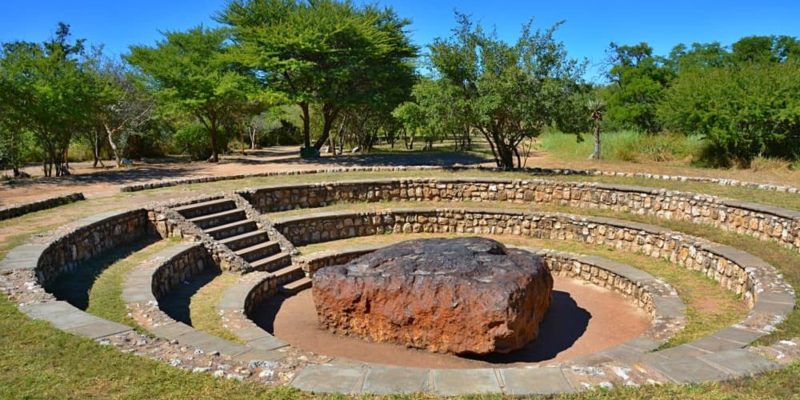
{"x": 596, "y": 110}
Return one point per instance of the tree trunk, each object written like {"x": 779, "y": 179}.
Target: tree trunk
{"x": 113, "y": 145}
{"x": 213, "y": 132}
{"x": 306, "y": 125}
{"x": 596, "y": 133}
{"x": 328, "y": 116}
{"x": 253, "y": 132}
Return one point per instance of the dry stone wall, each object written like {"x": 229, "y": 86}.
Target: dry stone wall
{"x": 181, "y": 266}
{"x": 70, "y": 245}
{"x": 733, "y": 269}
{"x": 763, "y": 222}
{"x": 14, "y": 211}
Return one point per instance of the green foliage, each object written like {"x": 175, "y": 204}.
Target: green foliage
{"x": 743, "y": 112}
{"x": 192, "y": 76}
{"x": 334, "y": 54}
{"x": 45, "y": 89}
{"x": 193, "y": 140}
{"x": 637, "y": 80}
{"x": 507, "y": 92}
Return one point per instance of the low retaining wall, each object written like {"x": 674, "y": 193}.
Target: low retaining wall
{"x": 752, "y": 278}
{"x": 18, "y": 210}
{"x": 533, "y": 171}
{"x": 763, "y": 222}
{"x": 184, "y": 263}
{"x": 70, "y": 245}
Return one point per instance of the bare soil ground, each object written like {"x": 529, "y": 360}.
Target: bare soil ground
{"x": 104, "y": 182}
{"x": 582, "y": 319}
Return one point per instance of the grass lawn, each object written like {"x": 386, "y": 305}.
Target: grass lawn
{"x": 38, "y": 361}
{"x": 203, "y": 306}
{"x": 105, "y": 297}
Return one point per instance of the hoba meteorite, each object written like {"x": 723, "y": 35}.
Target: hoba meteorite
{"x": 462, "y": 296}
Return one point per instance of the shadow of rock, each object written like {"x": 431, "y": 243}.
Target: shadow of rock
{"x": 563, "y": 325}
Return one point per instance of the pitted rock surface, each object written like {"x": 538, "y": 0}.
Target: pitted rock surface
{"x": 465, "y": 295}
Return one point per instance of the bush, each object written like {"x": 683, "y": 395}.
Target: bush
{"x": 743, "y": 112}
{"x": 193, "y": 140}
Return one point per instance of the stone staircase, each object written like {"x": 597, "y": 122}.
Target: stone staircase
{"x": 223, "y": 221}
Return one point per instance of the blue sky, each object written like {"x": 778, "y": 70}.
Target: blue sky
{"x": 589, "y": 27}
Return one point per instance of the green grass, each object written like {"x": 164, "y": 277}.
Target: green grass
{"x": 709, "y": 307}
{"x": 203, "y": 308}
{"x": 41, "y": 362}
{"x": 38, "y": 361}
{"x": 105, "y": 296}
{"x": 627, "y": 146}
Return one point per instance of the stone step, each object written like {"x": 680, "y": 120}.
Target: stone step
{"x": 246, "y": 240}
{"x": 232, "y": 229}
{"x": 259, "y": 251}
{"x": 206, "y": 208}
{"x": 295, "y": 287}
{"x": 289, "y": 273}
{"x": 272, "y": 263}
{"x": 221, "y": 218}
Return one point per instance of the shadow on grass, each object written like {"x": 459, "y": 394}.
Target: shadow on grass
{"x": 74, "y": 286}
{"x": 176, "y": 304}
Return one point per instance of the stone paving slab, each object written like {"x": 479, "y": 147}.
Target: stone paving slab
{"x": 22, "y": 257}
{"x": 261, "y": 355}
{"x": 713, "y": 344}
{"x": 66, "y": 317}
{"x": 267, "y": 343}
{"x": 532, "y": 381}
{"x": 689, "y": 370}
{"x": 739, "y": 362}
{"x": 330, "y": 379}
{"x": 390, "y": 380}
{"x": 171, "y": 331}
{"x": 738, "y": 335}
{"x": 681, "y": 352}
{"x": 100, "y": 329}
{"x": 211, "y": 343}
{"x": 456, "y": 382}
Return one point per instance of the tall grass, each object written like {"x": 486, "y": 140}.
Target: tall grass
{"x": 627, "y": 146}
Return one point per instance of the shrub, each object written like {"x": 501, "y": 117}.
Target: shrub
{"x": 194, "y": 141}
{"x": 743, "y": 112}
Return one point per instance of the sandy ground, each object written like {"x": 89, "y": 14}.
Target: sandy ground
{"x": 582, "y": 319}
{"x": 96, "y": 183}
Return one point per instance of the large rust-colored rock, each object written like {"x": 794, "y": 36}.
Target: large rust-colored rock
{"x": 465, "y": 295}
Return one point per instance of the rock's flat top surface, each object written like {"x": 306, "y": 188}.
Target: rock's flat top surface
{"x": 465, "y": 295}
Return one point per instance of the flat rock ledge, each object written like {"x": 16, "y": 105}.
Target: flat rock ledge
{"x": 461, "y": 296}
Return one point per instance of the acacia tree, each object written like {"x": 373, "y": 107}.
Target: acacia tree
{"x": 510, "y": 92}
{"x": 48, "y": 91}
{"x": 191, "y": 74}
{"x": 124, "y": 106}
{"x": 327, "y": 53}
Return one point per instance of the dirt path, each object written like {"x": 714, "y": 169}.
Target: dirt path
{"x": 106, "y": 182}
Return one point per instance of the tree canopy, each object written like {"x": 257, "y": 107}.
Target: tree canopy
{"x": 330, "y": 53}
{"x": 192, "y": 74}
{"x": 506, "y": 92}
